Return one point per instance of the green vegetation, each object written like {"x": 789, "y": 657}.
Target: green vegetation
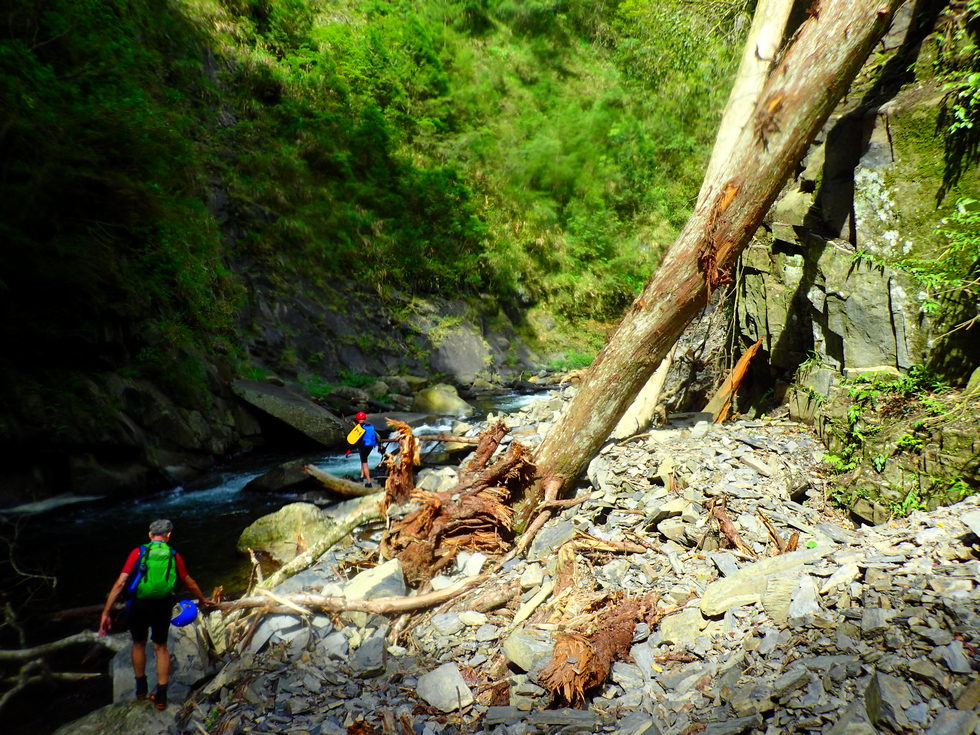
{"x": 957, "y": 66}
{"x": 157, "y": 157}
{"x": 953, "y": 274}
{"x": 887, "y": 440}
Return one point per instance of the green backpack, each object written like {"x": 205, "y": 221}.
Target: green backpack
{"x": 157, "y": 571}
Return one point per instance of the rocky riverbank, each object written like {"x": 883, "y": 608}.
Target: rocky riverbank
{"x": 764, "y": 611}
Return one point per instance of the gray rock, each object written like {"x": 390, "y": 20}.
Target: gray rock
{"x": 734, "y": 726}
{"x": 954, "y": 658}
{"x": 487, "y": 632}
{"x": 528, "y": 648}
{"x": 122, "y": 719}
{"x": 752, "y": 699}
{"x": 682, "y": 627}
{"x": 286, "y": 532}
{"x": 637, "y": 723}
{"x": 497, "y": 715}
{"x": 369, "y": 658}
{"x": 805, "y": 604}
{"x": 549, "y": 539}
{"x": 384, "y": 580}
{"x": 972, "y": 520}
{"x": 444, "y": 688}
{"x": 875, "y": 620}
{"x": 441, "y": 399}
{"x": 886, "y": 699}
{"x": 853, "y": 721}
{"x": 954, "y": 722}
{"x": 746, "y": 586}
{"x": 293, "y": 409}
{"x": 564, "y": 718}
{"x": 725, "y": 562}
{"x": 446, "y": 623}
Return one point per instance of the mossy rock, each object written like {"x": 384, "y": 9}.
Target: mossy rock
{"x": 284, "y": 534}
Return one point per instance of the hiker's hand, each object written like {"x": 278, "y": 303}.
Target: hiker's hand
{"x": 105, "y": 624}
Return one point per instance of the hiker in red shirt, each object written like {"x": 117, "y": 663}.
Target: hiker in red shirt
{"x": 154, "y": 568}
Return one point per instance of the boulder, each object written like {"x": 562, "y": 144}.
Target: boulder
{"x": 123, "y": 718}
{"x": 461, "y": 352}
{"x": 285, "y": 533}
{"x": 287, "y": 477}
{"x": 441, "y": 399}
{"x": 294, "y": 410}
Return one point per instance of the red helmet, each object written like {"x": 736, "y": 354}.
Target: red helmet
{"x": 360, "y": 416}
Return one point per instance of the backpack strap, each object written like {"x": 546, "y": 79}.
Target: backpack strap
{"x": 139, "y": 569}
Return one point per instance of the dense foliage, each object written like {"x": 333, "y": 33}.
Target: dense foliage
{"x": 155, "y": 155}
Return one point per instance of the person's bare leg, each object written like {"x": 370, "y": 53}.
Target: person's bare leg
{"x": 163, "y": 663}
{"x": 139, "y": 659}
{"x": 365, "y": 473}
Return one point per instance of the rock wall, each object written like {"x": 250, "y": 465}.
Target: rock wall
{"x": 823, "y": 286}
{"x": 819, "y": 279}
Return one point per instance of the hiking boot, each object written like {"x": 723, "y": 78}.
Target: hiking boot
{"x": 368, "y": 484}
{"x": 141, "y": 687}
{"x": 160, "y": 698}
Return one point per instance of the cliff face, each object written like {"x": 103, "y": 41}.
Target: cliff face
{"x": 842, "y": 284}
{"x": 827, "y": 275}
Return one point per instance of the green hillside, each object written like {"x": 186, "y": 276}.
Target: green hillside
{"x": 152, "y": 153}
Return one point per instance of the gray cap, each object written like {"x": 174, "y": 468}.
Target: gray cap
{"x": 161, "y": 527}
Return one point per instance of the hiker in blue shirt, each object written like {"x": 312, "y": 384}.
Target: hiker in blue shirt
{"x": 367, "y": 441}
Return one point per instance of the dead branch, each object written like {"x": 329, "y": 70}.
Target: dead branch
{"x": 401, "y": 466}
{"x": 727, "y": 527}
{"x": 86, "y": 636}
{"x": 448, "y": 438}
{"x": 773, "y": 533}
{"x": 337, "y": 603}
{"x": 495, "y": 598}
{"x": 36, "y": 672}
{"x": 720, "y": 405}
{"x": 567, "y": 503}
{"x": 489, "y": 440}
{"x": 586, "y": 542}
{"x": 368, "y": 510}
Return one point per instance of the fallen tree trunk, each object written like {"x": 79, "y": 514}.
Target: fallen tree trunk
{"x": 337, "y": 484}
{"x": 800, "y": 92}
{"x": 337, "y": 603}
{"x": 367, "y": 511}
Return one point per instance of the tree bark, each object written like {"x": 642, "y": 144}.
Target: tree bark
{"x": 811, "y": 76}
{"x": 758, "y": 58}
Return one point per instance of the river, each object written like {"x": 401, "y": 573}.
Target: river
{"x": 82, "y": 547}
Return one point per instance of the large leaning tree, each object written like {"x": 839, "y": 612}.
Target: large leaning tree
{"x": 787, "y": 85}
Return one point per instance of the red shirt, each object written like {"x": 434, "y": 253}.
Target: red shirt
{"x": 134, "y": 556}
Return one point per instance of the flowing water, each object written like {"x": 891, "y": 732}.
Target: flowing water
{"x": 84, "y": 546}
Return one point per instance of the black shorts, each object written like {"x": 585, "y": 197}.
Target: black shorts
{"x": 153, "y": 616}
{"x": 365, "y": 452}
